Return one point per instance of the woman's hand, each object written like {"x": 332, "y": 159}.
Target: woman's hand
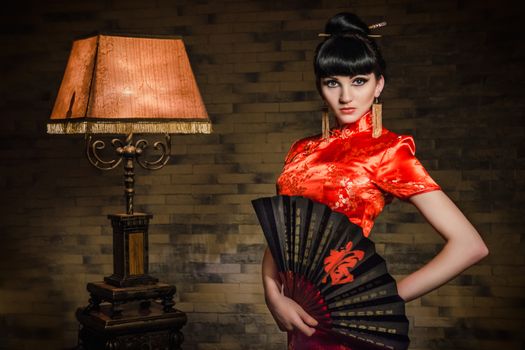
{"x": 286, "y": 312}
{"x": 289, "y": 315}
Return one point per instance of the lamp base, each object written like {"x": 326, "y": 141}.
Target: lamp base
{"x": 140, "y": 317}
{"x": 130, "y": 281}
{"x": 130, "y": 250}
{"x": 117, "y": 296}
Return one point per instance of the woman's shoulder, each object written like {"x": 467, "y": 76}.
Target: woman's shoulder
{"x": 390, "y": 139}
{"x": 387, "y": 146}
{"x": 306, "y": 142}
{"x": 395, "y": 146}
{"x": 302, "y": 145}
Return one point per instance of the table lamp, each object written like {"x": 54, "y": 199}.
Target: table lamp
{"x": 125, "y": 85}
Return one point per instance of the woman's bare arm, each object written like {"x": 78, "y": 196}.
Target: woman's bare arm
{"x": 271, "y": 281}
{"x": 286, "y": 312}
{"x": 464, "y": 246}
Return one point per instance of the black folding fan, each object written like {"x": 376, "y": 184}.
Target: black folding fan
{"x": 329, "y": 268}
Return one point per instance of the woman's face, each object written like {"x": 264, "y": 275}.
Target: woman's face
{"x": 350, "y": 97}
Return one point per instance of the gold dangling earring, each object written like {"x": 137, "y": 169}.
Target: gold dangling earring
{"x": 325, "y": 121}
{"x": 377, "y": 111}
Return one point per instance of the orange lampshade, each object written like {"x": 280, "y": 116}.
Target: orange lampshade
{"x": 115, "y": 84}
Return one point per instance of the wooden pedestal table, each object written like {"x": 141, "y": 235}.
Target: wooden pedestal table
{"x": 129, "y": 318}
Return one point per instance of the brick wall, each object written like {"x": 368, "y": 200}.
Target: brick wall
{"x": 456, "y": 85}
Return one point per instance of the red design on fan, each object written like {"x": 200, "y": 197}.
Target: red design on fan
{"x": 340, "y": 262}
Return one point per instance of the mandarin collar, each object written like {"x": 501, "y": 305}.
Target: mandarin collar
{"x": 363, "y": 124}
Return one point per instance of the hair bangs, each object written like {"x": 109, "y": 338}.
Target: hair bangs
{"x": 345, "y": 56}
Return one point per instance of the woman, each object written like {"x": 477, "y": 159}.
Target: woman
{"x": 357, "y": 171}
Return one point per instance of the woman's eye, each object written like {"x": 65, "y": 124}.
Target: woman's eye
{"x": 360, "y": 81}
{"x": 330, "y": 83}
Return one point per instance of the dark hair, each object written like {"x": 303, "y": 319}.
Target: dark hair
{"x": 348, "y": 50}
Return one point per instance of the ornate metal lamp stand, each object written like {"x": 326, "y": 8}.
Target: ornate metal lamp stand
{"x": 119, "y": 325}
{"x": 130, "y": 230}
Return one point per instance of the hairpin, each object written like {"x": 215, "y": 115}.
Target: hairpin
{"x": 373, "y": 26}
{"x": 377, "y": 25}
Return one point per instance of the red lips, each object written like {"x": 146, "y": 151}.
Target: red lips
{"x": 347, "y": 110}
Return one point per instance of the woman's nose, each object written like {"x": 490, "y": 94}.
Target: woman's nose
{"x": 345, "y": 96}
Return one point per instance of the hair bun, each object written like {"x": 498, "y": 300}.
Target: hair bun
{"x": 346, "y": 23}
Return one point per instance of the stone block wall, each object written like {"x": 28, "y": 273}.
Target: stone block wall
{"x": 455, "y": 83}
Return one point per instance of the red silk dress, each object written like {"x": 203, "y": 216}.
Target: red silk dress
{"x": 356, "y": 175}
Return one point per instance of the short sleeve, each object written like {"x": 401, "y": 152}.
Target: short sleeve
{"x": 400, "y": 173}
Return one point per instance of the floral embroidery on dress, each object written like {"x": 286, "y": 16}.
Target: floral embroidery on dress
{"x": 346, "y": 198}
{"x": 294, "y": 180}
